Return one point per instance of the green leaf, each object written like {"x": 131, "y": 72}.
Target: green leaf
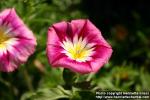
{"x": 145, "y": 80}
{"x": 47, "y": 94}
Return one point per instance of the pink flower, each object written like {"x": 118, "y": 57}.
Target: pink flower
{"x": 17, "y": 42}
{"x": 77, "y": 45}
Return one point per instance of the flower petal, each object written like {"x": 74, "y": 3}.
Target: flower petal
{"x": 54, "y": 53}
{"x": 16, "y": 26}
{"x": 21, "y": 43}
{"x": 80, "y": 67}
{"x": 86, "y": 29}
{"x": 60, "y": 29}
{"x": 53, "y": 38}
{"x": 100, "y": 57}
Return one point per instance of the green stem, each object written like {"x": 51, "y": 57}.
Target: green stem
{"x": 28, "y": 80}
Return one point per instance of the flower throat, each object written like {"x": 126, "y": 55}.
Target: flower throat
{"x": 3, "y": 36}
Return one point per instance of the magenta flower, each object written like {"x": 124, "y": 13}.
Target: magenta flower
{"x": 78, "y": 46}
{"x": 17, "y": 42}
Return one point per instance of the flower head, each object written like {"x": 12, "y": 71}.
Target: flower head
{"x": 17, "y": 42}
{"x": 77, "y": 45}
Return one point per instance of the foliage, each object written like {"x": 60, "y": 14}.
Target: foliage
{"x": 128, "y": 69}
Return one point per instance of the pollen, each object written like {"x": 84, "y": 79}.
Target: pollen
{"x": 78, "y": 49}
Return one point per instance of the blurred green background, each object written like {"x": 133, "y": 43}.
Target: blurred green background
{"x": 126, "y": 26}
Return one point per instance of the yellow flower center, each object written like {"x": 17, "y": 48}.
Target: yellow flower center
{"x": 3, "y": 37}
{"x": 78, "y": 50}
